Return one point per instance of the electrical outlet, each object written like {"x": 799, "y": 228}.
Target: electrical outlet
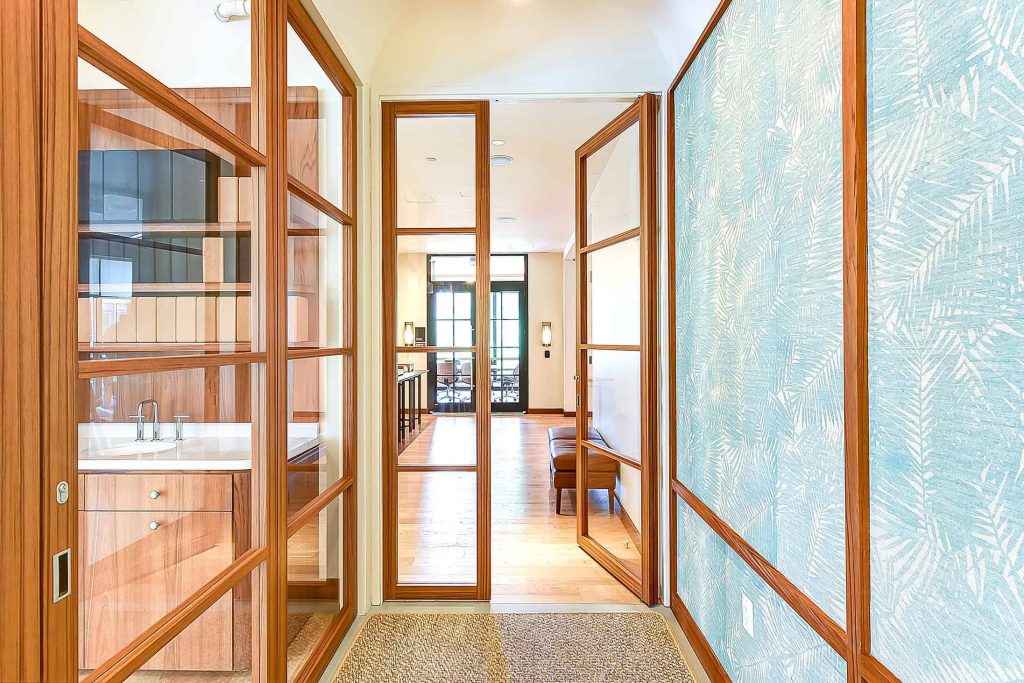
{"x": 748, "y": 615}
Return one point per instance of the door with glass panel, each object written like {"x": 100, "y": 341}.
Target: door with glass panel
{"x": 215, "y": 390}
{"x": 616, "y": 364}
{"x": 436, "y": 311}
{"x": 509, "y": 368}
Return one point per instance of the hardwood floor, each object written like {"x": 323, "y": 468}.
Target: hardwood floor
{"x": 535, "y": 558}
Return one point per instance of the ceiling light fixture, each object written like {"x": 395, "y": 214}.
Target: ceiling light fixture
{"x": 497, "y": 143}
{"x": 505, "y": 219}
{"x": 501, "y": 160}
{"x": 431, "y": 158}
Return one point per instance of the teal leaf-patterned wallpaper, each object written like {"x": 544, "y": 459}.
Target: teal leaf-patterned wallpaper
{"x": 756, "y": 636}
{"x": 946, "y": 338}
{"x": 758, "y": 240}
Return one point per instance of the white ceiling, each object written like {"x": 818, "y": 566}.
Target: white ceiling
{"x": 516, "y": 46}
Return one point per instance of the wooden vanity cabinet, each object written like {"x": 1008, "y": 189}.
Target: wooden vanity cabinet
{"x": 142, "y": 555}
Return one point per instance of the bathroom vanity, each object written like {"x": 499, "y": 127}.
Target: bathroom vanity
{"x": 157, "y": 520}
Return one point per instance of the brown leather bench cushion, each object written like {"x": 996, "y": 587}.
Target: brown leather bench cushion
{"x": 563, "y": 458}
{"x": 570, "y": 433}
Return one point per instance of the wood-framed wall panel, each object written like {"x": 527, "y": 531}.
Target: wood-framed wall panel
{"x": 390, "y": 113}
{"x": 645, "y": 112}
{"x": 854, "y": 643}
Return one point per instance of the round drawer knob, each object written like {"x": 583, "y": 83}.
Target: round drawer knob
{"x": 154, "y": 525}
{"x": 154, "y": 494}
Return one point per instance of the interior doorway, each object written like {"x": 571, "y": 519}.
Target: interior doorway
{"x": 484, "y": 490}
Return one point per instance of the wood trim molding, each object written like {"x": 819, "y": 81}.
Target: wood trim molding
{"x": 317, "y": 201}
{"x": 313, "y": 507}
{"x": 831, "y": 632}
{"x": 855, "y": 333}
{"x": 611, "y": 347}
{"x": 627, "y": 521}
{"x": 317, "y": 660}
{"x": 698, "y": 46}
{"x": 610, "y": 453}
{"x": 424, "y": 467}
{"x": 708, "y": 659}
{"x": 59, "y": 324}
{"x": 88, "y": 369}
{"x": 545, "y": 411}
{"x": 327, "y": 352}
{"x": 120, "y": 68}
{"x": 611, "y": 241}
{"x": 434, "y": 349}
{"x": 305, "y": 27}
{"x": 435, "y": 231}
{"x": 873, "y": 671}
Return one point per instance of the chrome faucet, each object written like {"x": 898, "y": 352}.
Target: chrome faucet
{"x": 140, "y": 430}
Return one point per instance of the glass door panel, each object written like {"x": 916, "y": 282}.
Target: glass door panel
{"x": 509, "y": 366}
{"x": 437, "y": 528}
{"x": 616, "y": 452}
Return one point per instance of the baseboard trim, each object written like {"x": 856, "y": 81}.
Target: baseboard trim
{"x": 634, "y": 533}
{"x": 712, "y": 667}
{"x": 543, "y": 411}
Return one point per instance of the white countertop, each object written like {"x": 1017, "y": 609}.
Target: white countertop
{"x": 205, "y": 447}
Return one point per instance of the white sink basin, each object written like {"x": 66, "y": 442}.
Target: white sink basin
{"x": 135, "y": 448}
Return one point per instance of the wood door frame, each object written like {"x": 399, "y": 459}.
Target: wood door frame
{"x": 391, "y": 111}
{"x": 645, "y": 112}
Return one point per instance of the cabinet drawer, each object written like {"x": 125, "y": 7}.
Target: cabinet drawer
{"x": 157, "y": 491}
{"x": 136, "y": 567}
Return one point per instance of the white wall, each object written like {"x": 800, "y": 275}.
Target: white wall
{"x": 569, "y": 335}
{"x": 545, "y": 304}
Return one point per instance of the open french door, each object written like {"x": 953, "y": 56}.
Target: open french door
{"x": 616, "y": 271}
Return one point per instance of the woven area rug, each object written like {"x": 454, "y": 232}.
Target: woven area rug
{"x": 515, "y": 648}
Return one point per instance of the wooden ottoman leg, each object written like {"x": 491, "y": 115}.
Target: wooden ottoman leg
{"x": 611, "y": 501}
{"x": 558, "y": 501}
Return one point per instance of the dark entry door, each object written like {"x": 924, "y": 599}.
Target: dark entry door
{"x": 450, "y": 310}
{"x": 509, "y": 347}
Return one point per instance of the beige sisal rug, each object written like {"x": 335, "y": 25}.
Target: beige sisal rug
{"x": 517, "y": 648}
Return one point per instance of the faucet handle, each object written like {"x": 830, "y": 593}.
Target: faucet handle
{"x": 179, "y": 428}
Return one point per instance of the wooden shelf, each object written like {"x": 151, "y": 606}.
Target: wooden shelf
{"x": 100, "y": 229}
{"x": 174, "y": 288}
{"x": 153, "y": 228}
{"x": 193, "y": 288}
{"x": 165, "y": 347}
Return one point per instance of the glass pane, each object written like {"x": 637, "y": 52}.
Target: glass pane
{"x": 316, "y": 591}
{"x": 613, "y": 508}
{"x": 614, "y": 395}
{"x": 436, "y": 403}
{"x": 183, "y": 46}
{"x": 436, "y": 172}
{"x": 437, "y": 527}
{"x": 613, "y": 293}
{"x": 613, "y": 186}
{"x": 316, "y": 111}
{"x": 317, "y": 277}
{"x": 160, "y": 515}
{"x": 508, "y": 268}
{"x": 419, "y": 300}
{"x": 316, "y": 427}
{"x": 220, "y": 644}
{"x": 510, "y": 304}
{"x": 165, "y": 255}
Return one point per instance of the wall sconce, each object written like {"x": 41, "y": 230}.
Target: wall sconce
{"x": 409, "y": 335}
{"x": 545, "y": 338}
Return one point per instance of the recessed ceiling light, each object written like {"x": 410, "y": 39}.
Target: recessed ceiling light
{"x": 501, "y": 160}
{"x": 506, "y": 219}
{"x": 431, "y": 158}
{"x": 498, "y": 143}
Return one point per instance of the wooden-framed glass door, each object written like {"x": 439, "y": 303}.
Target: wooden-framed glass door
{"x": 436, "y": 179}
{"x": 510, "y": 376}
{"x": 616, "y": 420}
{"x": 202, "y": 267}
